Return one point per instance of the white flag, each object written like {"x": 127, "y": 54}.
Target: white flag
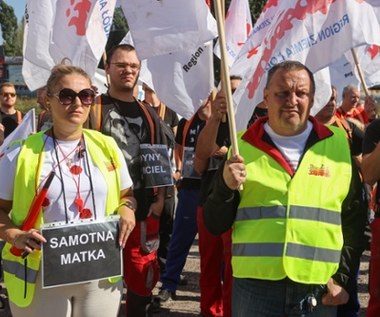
{"x": 369, "y": 60}
{"x": 263, "y": 23}
{"x": 182, "y": 80}
{"x": 23, "y": 130}
{"x": 54, "y": 30}
{"x": 344, "y": 71}
{"x": 315, "y": 33}
{"x": 238, "y": 26}
{"x": 167, "y": 26}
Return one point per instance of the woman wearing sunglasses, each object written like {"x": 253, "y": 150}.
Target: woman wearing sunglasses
{"x": 84, "y": 177}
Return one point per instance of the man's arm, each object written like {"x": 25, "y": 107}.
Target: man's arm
{"x": 354, "y": 220}
{"x": 178, "y": 152}
{"x": 370, "y": 108}
{"x": 1, "y": 134}
{"x": 371, "y": 167}
{"x": 209, "y": 139}
{"x": 206, "y": 141}
{"x": 219, "y": 211}
{"x": 371, "y": 153}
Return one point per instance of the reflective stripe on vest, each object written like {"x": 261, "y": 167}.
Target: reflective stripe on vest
{"x": 19, "y": 270}
{"x": 293, "y": 250}
{"x": 296, "y": 212}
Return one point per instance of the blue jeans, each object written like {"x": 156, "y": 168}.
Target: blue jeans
{"x": 262, "y": 298}
{"x": 184, "y": 231}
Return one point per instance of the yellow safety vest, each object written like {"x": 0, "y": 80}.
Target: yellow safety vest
{"x": 291, "y": 226}
{"x": 20, "y": 274}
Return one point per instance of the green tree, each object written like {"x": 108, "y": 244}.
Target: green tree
{"x": 19, "y": 38}
{"x": 119, "y": 21}
{"x": 256, "y": 8}
{"x": 8, "y": 23}
{"x": 119, "y": 28}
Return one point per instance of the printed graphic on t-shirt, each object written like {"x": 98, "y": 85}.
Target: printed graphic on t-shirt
{"x": 128, "y": 134}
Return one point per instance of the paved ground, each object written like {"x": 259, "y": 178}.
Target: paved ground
{"x": 187, "y": 303}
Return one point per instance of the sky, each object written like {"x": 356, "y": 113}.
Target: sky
{"x": 18, "y": 7}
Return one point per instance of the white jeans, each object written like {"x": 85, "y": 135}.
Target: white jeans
{"x": 92, "y": 299}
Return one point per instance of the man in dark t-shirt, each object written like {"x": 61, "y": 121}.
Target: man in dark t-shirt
{"x": 10, "y": 118}
{"x": 169, "y": 121}
{"x": 132, "y": 124}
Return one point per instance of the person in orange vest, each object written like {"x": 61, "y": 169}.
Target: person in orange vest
{"x": 10, "y": 117}
{"x": 352, "y": 108}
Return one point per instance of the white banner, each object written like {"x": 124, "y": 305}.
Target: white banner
{"x": 315, "y": 33}
{"x": 238, "y": 26}
{"x": 162, "y": 27}
{"x": 183, "y": 80}
{"x": 54, "y": 30}
{"x": 23, "y": 130}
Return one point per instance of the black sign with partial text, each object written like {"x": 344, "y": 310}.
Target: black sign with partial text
{"x": 157, "y": 170}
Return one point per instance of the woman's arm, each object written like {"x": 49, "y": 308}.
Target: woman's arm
{"x": 23, "y": 240}
{"x": 127, "y": 208}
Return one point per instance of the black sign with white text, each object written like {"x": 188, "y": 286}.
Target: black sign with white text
{"x": 80, "y": 252}
{"x": 188, "y": 170}
{"x": 157, "y": 169}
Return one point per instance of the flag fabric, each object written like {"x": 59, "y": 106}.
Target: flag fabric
{"x": 263, "y": 23}
{"x": 23, "y": 130}
{"x": 314, "y": 32}
{"x": 55, "y": 30}
{"x": 344, "y": 71}
{"x": 181, "y": 80}
{"x": 369, "y": 60}
{"x": 163, "y": 27}
{"x": 238, "y": 26}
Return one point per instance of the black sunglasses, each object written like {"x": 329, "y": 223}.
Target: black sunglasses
{"x": 67, "y": 96}
{"x": 7, "y": 94}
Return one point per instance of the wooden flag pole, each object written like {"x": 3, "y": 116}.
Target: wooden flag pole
{"x": 362, "y": 80}
{"x": 104, "y": 57}
{"x": 226, "y": 84}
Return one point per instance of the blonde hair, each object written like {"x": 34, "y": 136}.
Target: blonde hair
{"x": 61, "y": 70}
{"x": 7, "y": 84}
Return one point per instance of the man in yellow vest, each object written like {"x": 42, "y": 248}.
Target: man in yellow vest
{"x": 293, "y": 240}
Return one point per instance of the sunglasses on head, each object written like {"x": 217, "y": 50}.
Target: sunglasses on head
{"x": 67, "y": 96}
{"x": 7, "y": 94}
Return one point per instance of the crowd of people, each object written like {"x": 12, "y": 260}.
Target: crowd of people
{"x": 282, "y": 221}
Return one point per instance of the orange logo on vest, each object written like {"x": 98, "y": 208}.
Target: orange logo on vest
{"x": 319, "y": 171}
